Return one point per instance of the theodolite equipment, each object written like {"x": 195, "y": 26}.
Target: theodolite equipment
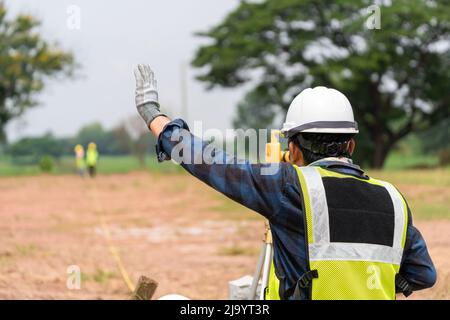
{"x": 274, "y": 154}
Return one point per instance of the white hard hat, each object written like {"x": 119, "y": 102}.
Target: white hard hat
{"x": 320, "y": 110}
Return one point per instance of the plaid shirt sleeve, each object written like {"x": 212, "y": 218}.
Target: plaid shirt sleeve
{"x": 246, "y": 183}
{"x": 417, "y": 267}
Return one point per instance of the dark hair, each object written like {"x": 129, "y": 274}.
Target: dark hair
{"x": 316, "y": 146}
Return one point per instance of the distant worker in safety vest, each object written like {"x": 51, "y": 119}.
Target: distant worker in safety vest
{"x": 80, "y": 163}
{"x": 337, "y": 233}
{"x": 92, "y": 159}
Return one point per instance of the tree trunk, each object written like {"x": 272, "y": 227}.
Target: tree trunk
{"x": 381, "y": 151}
{"x": 379, "y": 157}
{"x": 380, "y": 148}
{"x": 2, "y": 134}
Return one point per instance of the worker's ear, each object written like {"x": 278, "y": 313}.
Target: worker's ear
{"x": 295, "y": 154}
{"x": 351, "y": 146}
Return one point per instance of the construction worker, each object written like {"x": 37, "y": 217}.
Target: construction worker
{"x": 79, "y": 160}
{"x": 92, "y": 159}
{"x": 337, "y": 233}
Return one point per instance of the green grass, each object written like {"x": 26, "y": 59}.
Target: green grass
{"x": 106, "y": 165}
{"x": 407, "y": 160}
{"x": 124, "y": 164}
{"x": 26, "y": 249}
{"x": 426, "y": 210}
{"x": 7, "y": 168}
{"x": 100, "y": 276}
{"x": 434, "y": 177}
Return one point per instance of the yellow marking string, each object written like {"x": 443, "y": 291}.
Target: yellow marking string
{"x": 112, "y": 248}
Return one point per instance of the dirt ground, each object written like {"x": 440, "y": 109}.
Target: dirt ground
{"x": 171, "y": 228}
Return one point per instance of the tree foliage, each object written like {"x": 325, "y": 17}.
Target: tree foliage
{"x": 112, "y": 142}
{"x": 436, "y": 138}
{"x": 397, "y": 78}
{"x": 26, "y": 60}
{"x": 31, "y": 150}
{"x": 120, "y": 140}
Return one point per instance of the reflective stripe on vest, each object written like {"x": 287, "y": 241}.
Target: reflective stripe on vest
{"x": 356, "y": 270}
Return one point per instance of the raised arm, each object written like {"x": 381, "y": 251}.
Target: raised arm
{"x": 255, "y": 186}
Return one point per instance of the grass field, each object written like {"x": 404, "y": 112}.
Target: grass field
{"x": 107, "y": 165}
{"x": 124, "y": 164}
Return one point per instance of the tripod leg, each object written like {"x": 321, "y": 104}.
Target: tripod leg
{"x": 257, "y": 274}
{"x": 266, "y": 269}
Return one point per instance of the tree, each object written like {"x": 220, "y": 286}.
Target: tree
{"x": 105, "y": 140}
{"x": 396, "y": 77}
{"x": 92, "y": 132}
{"x": 123, "y": 139}
{"x": 142, "y": 142}
{"x": 436, "y": 138}
{"x": 26, "y": 61}
{"x": 31, "y": 150}
{"x": 250, "y": 111}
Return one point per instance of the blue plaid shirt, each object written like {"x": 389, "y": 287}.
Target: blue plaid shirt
{"x": 278, "y": 198}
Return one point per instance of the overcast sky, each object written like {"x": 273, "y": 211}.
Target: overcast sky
{"x": 115, "y": 36}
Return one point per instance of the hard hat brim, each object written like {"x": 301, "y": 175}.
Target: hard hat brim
{"x": 349, "y": 127}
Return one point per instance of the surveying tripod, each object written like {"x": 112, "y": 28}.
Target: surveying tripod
{"x": 264, "y": 265}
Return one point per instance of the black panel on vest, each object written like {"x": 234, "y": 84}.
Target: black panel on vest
{"x": 359, "y": 212}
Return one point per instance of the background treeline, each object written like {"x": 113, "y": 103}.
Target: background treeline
{"x": 429, "y": 148}
{"x": 120, "y": 140}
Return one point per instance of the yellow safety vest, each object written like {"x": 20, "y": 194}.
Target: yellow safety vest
{"x": 349, "y": 268}
{"x": 80, "y": 163}
{"x": 91, "y": 157}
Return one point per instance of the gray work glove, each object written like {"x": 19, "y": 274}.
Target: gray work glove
{"x": 146, "y": 93}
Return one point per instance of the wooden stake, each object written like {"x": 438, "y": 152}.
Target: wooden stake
{"x": 145, "y": 289}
